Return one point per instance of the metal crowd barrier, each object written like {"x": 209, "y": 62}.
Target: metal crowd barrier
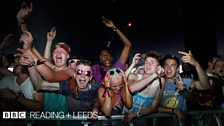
{"x": 217, "y": 115}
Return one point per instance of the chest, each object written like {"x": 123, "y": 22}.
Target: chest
{"x": 151, "y": 89}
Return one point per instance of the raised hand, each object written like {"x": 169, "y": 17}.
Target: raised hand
{"x": 136, "y": 58}
{"x": 108, "y": 23}
{"x": 107, "y": 80}
{"x": 27, "y": 40}
{"x": 51, "y": 34}
{"x": 160, "y": 71}
{"x": 27, "y": 60}
{"x": 124, "y": 78}
{"x": 188, "y": 58}
{"x": 24, "y": 12}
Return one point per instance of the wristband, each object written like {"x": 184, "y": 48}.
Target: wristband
{"x": 182, "y": 91}
{"x": 138, "y": 114}
{"x": 39, "y": 62}
{"x": 107, "y": 92}
{"x": 31, "y": 64}
{"x": 115, "y": 28}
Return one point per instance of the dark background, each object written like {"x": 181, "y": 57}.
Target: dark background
{"x": 165, "y": 26}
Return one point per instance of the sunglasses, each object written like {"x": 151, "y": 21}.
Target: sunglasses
{"x": 73, "y": 61}
{"x": 82, "y": 72}
{"x": 116, "y": 71}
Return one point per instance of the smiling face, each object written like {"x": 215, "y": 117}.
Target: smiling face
{"x": 116, "y": 83}
{"x": 83, "y": 75}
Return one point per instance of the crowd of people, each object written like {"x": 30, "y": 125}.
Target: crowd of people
{"x": 60, "y": 82}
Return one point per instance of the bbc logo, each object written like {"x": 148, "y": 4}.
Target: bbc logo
{"x": 14, "y": 115}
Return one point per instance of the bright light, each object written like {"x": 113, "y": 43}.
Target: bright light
{"x": 129, "y": 24}
{"x": 180, "y": 69}
{"x": 11, "y": 69}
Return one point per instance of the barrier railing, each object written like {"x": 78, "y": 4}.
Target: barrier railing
{"x": 198, "y": 116}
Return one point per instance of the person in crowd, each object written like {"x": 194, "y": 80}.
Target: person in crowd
{"x": 52, "y": 101}
{"x": 115, "y": 93}
{"x": 99, "y": 70}
{"x": 146, "y": 88}
{"x": 218, "y": 68}
{"x": 17, "y": 91}
{"x": 210, "y": 66}
{"x": 5, "y": 61}
{"x": 86, "y": 97}
{"x": 73, "y": 60}
{"x": 175, "y": 86}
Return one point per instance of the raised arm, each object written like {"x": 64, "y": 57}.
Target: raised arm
{"x": 23, "y": 14}
{"x": 45, "y": 71}
{"x": 50, "y": 37}
{"x": 37, "y": 81}
{"x": 47, "y": 52}
{"x": 203, "y": 82}
{"x": 134, "y": 62}
{"x": 127, "y": 43}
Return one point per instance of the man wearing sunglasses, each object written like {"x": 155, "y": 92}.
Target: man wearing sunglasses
{"x": 86, "y": 98}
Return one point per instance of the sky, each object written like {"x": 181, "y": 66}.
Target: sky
{"x": 156, "y": 25}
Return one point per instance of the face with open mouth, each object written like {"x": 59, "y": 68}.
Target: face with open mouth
{"x": 151, "y": 65}
{"x": 219, "y": 67}
{"x": 170, "y": 68}
{"x": 105, "y": 58}
{"x": 83, "y": 76}
{"x": 60, "y": 56}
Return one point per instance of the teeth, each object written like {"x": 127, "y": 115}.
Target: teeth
{"x": 58, "y": 60}
{"x": 82, "y": 81}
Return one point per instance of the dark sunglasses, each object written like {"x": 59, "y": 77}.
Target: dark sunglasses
{"x": 81, "y": 72}
{"x": 112, "y": 72}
